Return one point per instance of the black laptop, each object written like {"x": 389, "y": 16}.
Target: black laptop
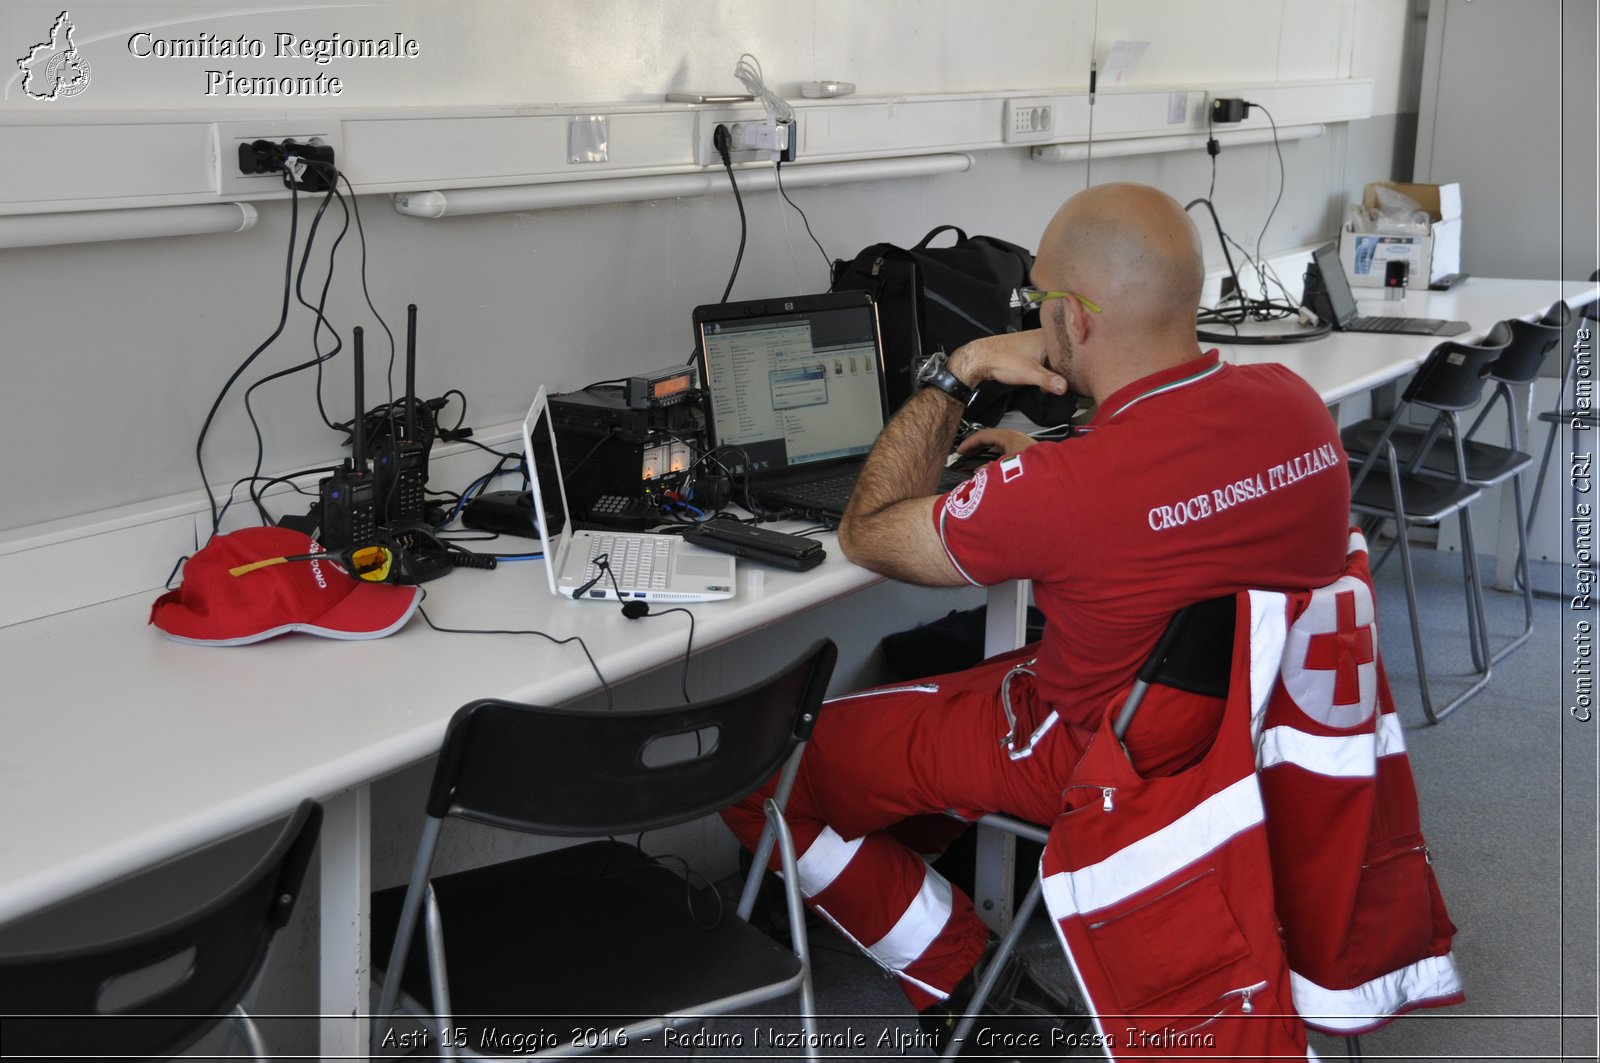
{"x": 795, "y": 391}
{"x": 1340, "y": 304}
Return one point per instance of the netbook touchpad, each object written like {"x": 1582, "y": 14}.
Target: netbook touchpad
{"x": 701, "y": 565}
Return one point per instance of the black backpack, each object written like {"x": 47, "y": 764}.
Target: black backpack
{"x": 938, "y": 298}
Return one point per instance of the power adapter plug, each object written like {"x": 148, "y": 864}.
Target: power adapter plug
{"x": 1230, "y": 109}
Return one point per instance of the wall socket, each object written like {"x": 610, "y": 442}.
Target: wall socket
{"x": 1030, "y": 120}
{"x": 748, "y": 128}
{"x": 229, "y": 135}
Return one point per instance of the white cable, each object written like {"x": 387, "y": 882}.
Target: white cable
{"x": 748, "y": 71}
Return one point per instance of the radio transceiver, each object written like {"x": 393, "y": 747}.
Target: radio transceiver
{"x": 661, "y": 387}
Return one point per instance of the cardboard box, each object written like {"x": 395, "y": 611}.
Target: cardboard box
{"x": 1366, "y": 255}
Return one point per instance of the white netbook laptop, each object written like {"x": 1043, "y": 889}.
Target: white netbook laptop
{"x": 639, "y": 566}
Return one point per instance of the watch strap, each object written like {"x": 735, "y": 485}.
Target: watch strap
{"x": 947, "y": 382}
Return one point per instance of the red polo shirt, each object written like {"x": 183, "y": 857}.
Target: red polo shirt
{"x": 1198, "y": 481}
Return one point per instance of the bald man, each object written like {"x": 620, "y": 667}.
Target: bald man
{"x": 1192, "y": 480}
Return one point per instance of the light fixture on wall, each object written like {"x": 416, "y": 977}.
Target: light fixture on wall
{"x": 446, "y": 203}
{"x": 137, "y": 223}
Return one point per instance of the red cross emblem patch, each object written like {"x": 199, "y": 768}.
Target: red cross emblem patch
{"x": 1330, "y": 657}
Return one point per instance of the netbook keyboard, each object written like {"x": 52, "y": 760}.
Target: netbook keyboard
{"x": 1394, "y": 324}
{"x": 638, "y": 562}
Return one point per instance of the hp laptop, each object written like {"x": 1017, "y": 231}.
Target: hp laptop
{"x": 639, "y": 566}
{"x": 796, "y": 386}
{"x": 1340, "y": 304}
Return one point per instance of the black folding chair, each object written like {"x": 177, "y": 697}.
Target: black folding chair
{"x": 153, "y": 993}
{"x": 599, "y": 937}
{"x": 1566, "y": 415}
{"x": 1389, "y": 486}
{"x": 1487, "y": 464}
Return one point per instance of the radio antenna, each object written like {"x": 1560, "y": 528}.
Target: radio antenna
{"x": 358, "y": 428}
{"x": 411, "y": 372}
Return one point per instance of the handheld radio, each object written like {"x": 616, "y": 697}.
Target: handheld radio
{"x": 350, "y": 496}
{"x": 400, "y": 465}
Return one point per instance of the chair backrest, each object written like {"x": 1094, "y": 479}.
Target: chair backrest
{"x": 1453, "y": 375}
{"x": 1195, "y": 653}
{"x": 187, "y": 975}
{"x": 582, "y": 773}
{"x": 1531, "y": 342}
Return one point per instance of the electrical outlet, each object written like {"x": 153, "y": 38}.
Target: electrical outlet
{"x": 1029, "y": 120}
{"x": 752, "y": 138}
{"x": 325, "y": 132}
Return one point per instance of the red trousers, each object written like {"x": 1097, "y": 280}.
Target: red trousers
{"x": 881, "y": 756}
{"x": 881, "y": 760}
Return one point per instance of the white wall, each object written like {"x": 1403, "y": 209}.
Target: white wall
{"x": 128, "y": 343}
{"x": 514, "y": 53}
{"x": 1508, "y": 109}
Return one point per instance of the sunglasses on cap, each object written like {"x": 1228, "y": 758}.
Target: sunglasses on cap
{"x": 373, "y": 563}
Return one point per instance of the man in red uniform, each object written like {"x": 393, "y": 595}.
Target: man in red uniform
{"x": 1193, "y": 479}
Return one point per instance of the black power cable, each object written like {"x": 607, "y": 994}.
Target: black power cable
{"x": 283, "y": 318}
{"x": 720, "y": 140}
{"x": 827, "y": 263}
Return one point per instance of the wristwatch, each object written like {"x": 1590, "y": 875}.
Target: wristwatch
{"x": 935, "y": 374}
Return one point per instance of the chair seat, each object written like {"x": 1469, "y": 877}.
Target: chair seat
{"x": 1562, "y": 416}
{"x": 1428, "y": 499}
{"x": 613, "y": 940}
{"x": 1486, "y": 463}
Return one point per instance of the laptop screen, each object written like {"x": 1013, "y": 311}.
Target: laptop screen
{"x": 792, "y": 381}
{"x": 1337, "y": 285}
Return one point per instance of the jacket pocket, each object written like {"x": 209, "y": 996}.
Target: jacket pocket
{"x": 1180, "y": 944}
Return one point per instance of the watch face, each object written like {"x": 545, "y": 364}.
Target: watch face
{"x": 930, "y": 367}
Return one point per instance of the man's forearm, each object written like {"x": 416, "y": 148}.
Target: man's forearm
{"x": 906, "y": 461}
{"x": 888, "y": 525}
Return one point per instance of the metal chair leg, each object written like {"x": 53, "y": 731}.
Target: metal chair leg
{"x": 1523, "y": 578}
{"x": 986, "y": 984}
{"x": 1477, "y": 636}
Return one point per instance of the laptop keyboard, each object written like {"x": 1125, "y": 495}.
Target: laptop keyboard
{"x": 1393, "y": 324}
{"x": 829, "y": 491}
{"x": 640, "y": 562}
{"x": 833, "y": 492}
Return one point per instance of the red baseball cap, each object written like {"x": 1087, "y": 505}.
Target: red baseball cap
{"x": 215, "y": 608}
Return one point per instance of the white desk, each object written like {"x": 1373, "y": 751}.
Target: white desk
{"x": 119, "y": 749}
{"x": 1344, "y": 365}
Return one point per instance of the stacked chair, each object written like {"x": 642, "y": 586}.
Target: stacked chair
{"x": 1565, "y": 413}
{"x": 1409, "y": 475}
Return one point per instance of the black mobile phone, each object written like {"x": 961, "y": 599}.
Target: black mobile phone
{"x": 794, "y": 552}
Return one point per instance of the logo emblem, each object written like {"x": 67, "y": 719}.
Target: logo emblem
{"x": 55, "y": 69}
{"x": 1330, "y": 658}
{"x": 963, "y": 501}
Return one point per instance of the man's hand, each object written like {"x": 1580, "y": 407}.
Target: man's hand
{"x": 1004, "y": 441}
{"x": 1009, "y": 358}
{"x": 889, "y": 526}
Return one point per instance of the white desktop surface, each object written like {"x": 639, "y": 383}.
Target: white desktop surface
{"x": 1342, "y": 365}
{"x": 120, "y": 748}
